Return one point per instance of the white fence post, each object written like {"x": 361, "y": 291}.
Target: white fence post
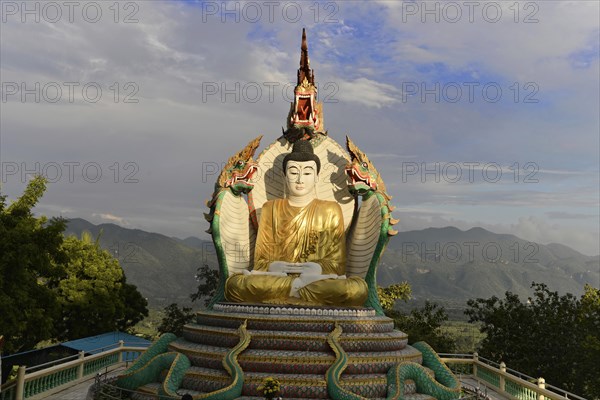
{"x": 541, "y": 382}
{"x": 20, "y": 383}
{"x": 121, "y": 343}
{"x": 80, "y": 366}
{"x": 502, "y": 382}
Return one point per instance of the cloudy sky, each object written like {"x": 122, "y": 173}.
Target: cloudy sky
{"x": 475, "y": 113}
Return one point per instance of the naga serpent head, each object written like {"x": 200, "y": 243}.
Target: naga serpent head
{"x": 305, "y": 112}
{"x": 365, "y": 179}
{"x": 239, "y": 170}
{"x": 361, "y": 172}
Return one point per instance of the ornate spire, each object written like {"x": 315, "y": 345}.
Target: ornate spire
{"x": 304, "y": 72}
{"x": 306, "y": 113}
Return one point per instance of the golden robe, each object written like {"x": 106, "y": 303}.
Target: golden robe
{"x": 299, "y": 234}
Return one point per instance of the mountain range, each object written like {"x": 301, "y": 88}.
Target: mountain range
{"x": 446, "y": 265}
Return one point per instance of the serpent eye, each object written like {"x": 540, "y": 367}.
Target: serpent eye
{"x": 240, "y": 163}
{"x": 364, "y": 165}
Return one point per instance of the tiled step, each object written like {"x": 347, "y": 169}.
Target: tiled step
{"x": 287, "y": 398}
{"x": 418, "y": 396}
{"x": 413, "y": 396}
{"x": 150, "y": 392}
{"x": 263, "y": 398}
{"x": 201, "y": 355}
{"x": 142, "y": 396}
{"x": 286, "y": 340}
{"x": 147, "y": 392}
{"x": 205, "y": 380}
{"x": 312, "y": 386}
{"x": 150, "y": 388}
{"x": 296, "y": 323}
{"x": 293, "y": 310}
{"x": 318, "y": 362}
{"x": 294, "y": 361}
{"x": 292, "y": 385}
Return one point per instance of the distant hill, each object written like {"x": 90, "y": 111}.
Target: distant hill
{"x": 450, "y": 264}
{"x": 442, "y": 264}
{"x": 193, "y": 241}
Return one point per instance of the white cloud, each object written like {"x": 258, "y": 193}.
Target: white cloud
{"x": 568, "y": 215}
{"x": 172, "y": 134}
{"x": 517, "y": 50}
{"x": 111, "y": 218}
{"x": 367, "y": 92}
{"x": 540, "y": 230}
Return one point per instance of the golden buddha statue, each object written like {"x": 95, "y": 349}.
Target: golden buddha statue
{"x": 300, "y": 253}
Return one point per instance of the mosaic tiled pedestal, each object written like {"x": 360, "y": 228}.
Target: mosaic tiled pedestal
{"x": 290, "y": 344}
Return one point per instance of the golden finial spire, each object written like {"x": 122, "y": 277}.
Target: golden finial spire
{"x": 304, "y": 72}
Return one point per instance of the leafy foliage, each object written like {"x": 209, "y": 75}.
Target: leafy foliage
{"x": 425, "y": 324}
{"x": 552, "y": 336}
{"x": 95, "y": 290}
{"x": 56, "y": 288}
{"x": 30, "y": 255}
{"x": 389, "y": 295}
{"x": 421, "y": 324}
{"x": 588, "y": 319}
{"x": 208, "y": 288}
{"x": 269, "y": 387}
{"x": 175, "y": 318}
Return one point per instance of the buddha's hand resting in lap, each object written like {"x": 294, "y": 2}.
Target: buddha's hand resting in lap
{"x": 309, "y": 272}
{"x": 309, "y": 268}
{"x": 246, "y": 272}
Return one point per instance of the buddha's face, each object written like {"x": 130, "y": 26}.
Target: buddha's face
{"x": 301, "y": 177}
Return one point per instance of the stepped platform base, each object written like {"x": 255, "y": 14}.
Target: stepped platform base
{"x": 292, "y": 344}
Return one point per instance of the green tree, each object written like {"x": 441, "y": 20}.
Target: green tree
{"x": 389, "y": 295}
{"x": 589, "y": 322}
{"x": 175, "y": 318}
{"x": 94, "y": 296}
{"x": 30, "y": 256}
{"x": 549, "y": 336}
{"x": 209, "y": 281}
{"x": 425, "y": 324}
{"x": 421, "y": 324}
{"x": 56, "y": 288}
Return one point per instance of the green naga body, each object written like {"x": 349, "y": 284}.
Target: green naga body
{"x": 366, "y": 182}
{"x": 149, "y": 366}
{"x": 442, "y": 385}
{"x": 231, "y": 233}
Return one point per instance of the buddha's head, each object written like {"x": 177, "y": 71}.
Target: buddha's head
{"x": 301, "y": 168}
